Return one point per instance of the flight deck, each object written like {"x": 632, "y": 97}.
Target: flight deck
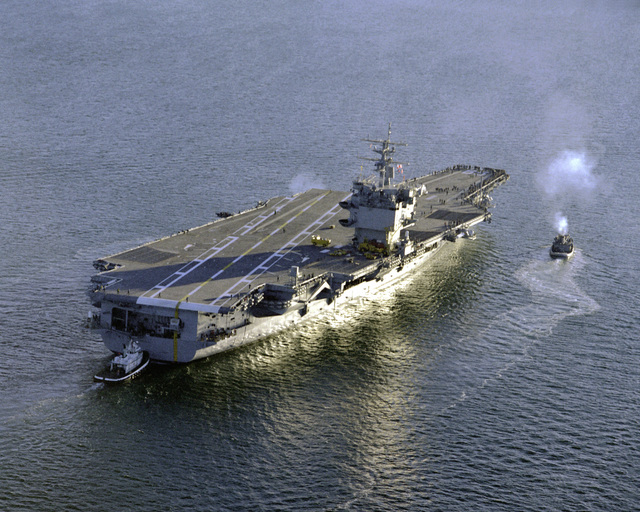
{"x": 214, "y": 266}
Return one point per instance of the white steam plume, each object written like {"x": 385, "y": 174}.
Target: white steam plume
{"x": 303, "y": 182}
{"x": 562, "y": 224}
{"x": 567, "y": 177}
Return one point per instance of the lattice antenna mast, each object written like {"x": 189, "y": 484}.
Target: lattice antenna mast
{"x": 385, "y": 165}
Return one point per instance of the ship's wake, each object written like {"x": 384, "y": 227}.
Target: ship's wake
{"x": 508, "y": 339}
{"x": 555, "y": 295}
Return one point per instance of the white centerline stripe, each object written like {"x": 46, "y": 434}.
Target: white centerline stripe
{"x": 278, "y": 255}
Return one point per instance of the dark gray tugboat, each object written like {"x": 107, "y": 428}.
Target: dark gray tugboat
{"x": 562, "y": 247}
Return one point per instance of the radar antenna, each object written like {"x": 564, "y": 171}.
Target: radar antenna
{"x": 385, "y": 165}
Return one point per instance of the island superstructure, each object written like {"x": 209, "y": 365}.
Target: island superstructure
{"x": 233, "y": 281}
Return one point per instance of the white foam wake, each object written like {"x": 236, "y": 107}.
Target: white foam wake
{"x": 555, "y": 295}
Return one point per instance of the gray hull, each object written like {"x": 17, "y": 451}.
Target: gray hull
{"x": 187, "y": 350}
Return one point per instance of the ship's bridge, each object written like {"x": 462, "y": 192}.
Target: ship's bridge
{"x": 380, "y": 213}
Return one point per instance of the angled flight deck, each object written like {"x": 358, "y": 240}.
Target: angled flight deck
{"x": 214, "y": 266}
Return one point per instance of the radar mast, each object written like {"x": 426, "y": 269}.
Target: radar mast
{"x": 385, "y": 165}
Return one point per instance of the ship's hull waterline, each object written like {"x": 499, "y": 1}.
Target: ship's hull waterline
{"x": 164, "y": 350}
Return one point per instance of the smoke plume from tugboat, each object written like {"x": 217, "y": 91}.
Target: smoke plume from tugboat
{"x": 562, "y": 224}
{"x": 568, "y": 176}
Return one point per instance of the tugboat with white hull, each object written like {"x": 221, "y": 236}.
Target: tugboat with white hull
{"x": 125, "y": 366}
{"x": 245, "y": 276}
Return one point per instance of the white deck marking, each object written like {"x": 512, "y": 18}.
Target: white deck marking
{"x": 255, "y": 222}
{"x": 184, "y": 270}
{"x": 210, "y": 253}
{"x": 263, "y": 267}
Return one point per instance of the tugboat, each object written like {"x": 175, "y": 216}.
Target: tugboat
{"x": 127, "y": 365}
{"x": 466, "y": 233}
{"x": 562, "y": 247}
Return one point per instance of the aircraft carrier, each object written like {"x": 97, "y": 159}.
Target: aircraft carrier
{"x": 248, "y": 275}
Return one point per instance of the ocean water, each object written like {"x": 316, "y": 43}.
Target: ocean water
{"x": 495, "y": 379}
